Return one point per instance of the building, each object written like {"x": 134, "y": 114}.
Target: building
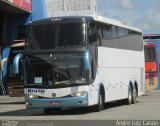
{"x": 14, "y": 17}
{"x": 50, "y": 8}
{"x": 154, "y": 36}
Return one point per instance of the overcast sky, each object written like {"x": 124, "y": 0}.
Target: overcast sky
{"x": 144, "y": 14}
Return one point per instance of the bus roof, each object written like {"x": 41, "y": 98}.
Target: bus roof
{"x": 114, "y": 22}
{"x": 95, "y": 17}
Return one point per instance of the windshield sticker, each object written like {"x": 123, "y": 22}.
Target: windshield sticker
{"x": 38, "y": 80}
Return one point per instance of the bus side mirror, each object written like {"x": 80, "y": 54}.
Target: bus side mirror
{"x": 16, "y": 63}
{"x": 87, "y": 64}
{"x": 92, "y": 37}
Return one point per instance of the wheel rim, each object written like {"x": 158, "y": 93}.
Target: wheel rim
{"x": 101, "y": 102}
{"x": 134, "y": 95}
{"x": 129, "y": 97}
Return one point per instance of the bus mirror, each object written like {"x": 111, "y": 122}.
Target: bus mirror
{"x": 91, "y": 25}
{"x": 92, "y": 37}
{"x": 86, "y": 60}
{"x": 92, "y": 34}
{"x": 16, "y": 63}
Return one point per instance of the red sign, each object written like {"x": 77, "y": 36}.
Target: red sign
{"x": 25, "y": 4}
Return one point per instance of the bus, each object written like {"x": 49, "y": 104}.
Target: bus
{"x": 15, "y": 81}
{"x": 151, "y": 66}
{"x": 82, "y": 61}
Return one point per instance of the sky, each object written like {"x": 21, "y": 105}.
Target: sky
{"x": 144, "y": 14}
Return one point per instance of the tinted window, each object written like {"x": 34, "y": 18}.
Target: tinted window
{"x": 119, "y": 37}
{"x": 55, "y": 35}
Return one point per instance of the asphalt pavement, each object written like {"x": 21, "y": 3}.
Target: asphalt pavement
{"x": 147, "y": 108}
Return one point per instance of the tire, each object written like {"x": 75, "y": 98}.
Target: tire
{"x": 100, "y": 105}
{"x": 130, "y": 96}
{"x": 134, "y": 95}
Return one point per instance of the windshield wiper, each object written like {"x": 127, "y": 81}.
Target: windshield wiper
{"x": 70, "y": 82}
{"x": 63, "y": 82}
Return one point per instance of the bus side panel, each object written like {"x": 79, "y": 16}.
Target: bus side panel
{"x": 118, "y": 68}
{"x": 116, "y": 81}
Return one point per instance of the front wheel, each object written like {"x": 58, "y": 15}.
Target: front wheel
{"x": 100, "y": 105}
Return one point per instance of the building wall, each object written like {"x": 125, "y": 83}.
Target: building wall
{"x": 49, "y": 8}
{"x": 70, "y": 7}
{"x": 11, "y": 22}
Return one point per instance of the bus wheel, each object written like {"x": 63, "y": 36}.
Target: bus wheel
{"x": 100, "y": 105}
{"x": 130, "y": 96}
{"x": 134, "y": 95}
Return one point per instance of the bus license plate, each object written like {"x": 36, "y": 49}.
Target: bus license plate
{"x": 55, "y": 103}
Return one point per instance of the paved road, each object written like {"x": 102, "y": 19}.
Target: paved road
{"x": 146, "y": 108}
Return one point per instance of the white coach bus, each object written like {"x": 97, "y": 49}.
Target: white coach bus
{"x": 80, "y": 61}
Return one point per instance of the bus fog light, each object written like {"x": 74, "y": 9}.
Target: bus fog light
{"x": 83, "y": 102}
{"x": 77, "y": 94}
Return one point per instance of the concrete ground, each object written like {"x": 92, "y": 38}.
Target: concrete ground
{"x": 146, "y": 108}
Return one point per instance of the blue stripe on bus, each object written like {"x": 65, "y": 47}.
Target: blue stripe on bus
{"x": 64, "y": 102}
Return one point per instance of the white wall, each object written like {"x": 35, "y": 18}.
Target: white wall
{"x": 70, "y": 7}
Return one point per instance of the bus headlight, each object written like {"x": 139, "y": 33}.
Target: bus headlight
{"x": 77, "y": 94}
{"x": 31, "y": 96}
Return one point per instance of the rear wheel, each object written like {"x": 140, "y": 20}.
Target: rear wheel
{"x": 134, "y": 95}
{"x": 130, "y": 96}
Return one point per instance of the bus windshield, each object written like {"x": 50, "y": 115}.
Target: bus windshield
{"x": 56, "y": 35}
{"x": 55, "y": 70}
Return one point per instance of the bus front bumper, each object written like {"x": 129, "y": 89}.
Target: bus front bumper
{"x": 81, "y": 101}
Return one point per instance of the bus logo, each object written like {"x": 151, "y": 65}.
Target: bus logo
{"x": 54, "y": 95}
{"x": 36, "y": 91}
